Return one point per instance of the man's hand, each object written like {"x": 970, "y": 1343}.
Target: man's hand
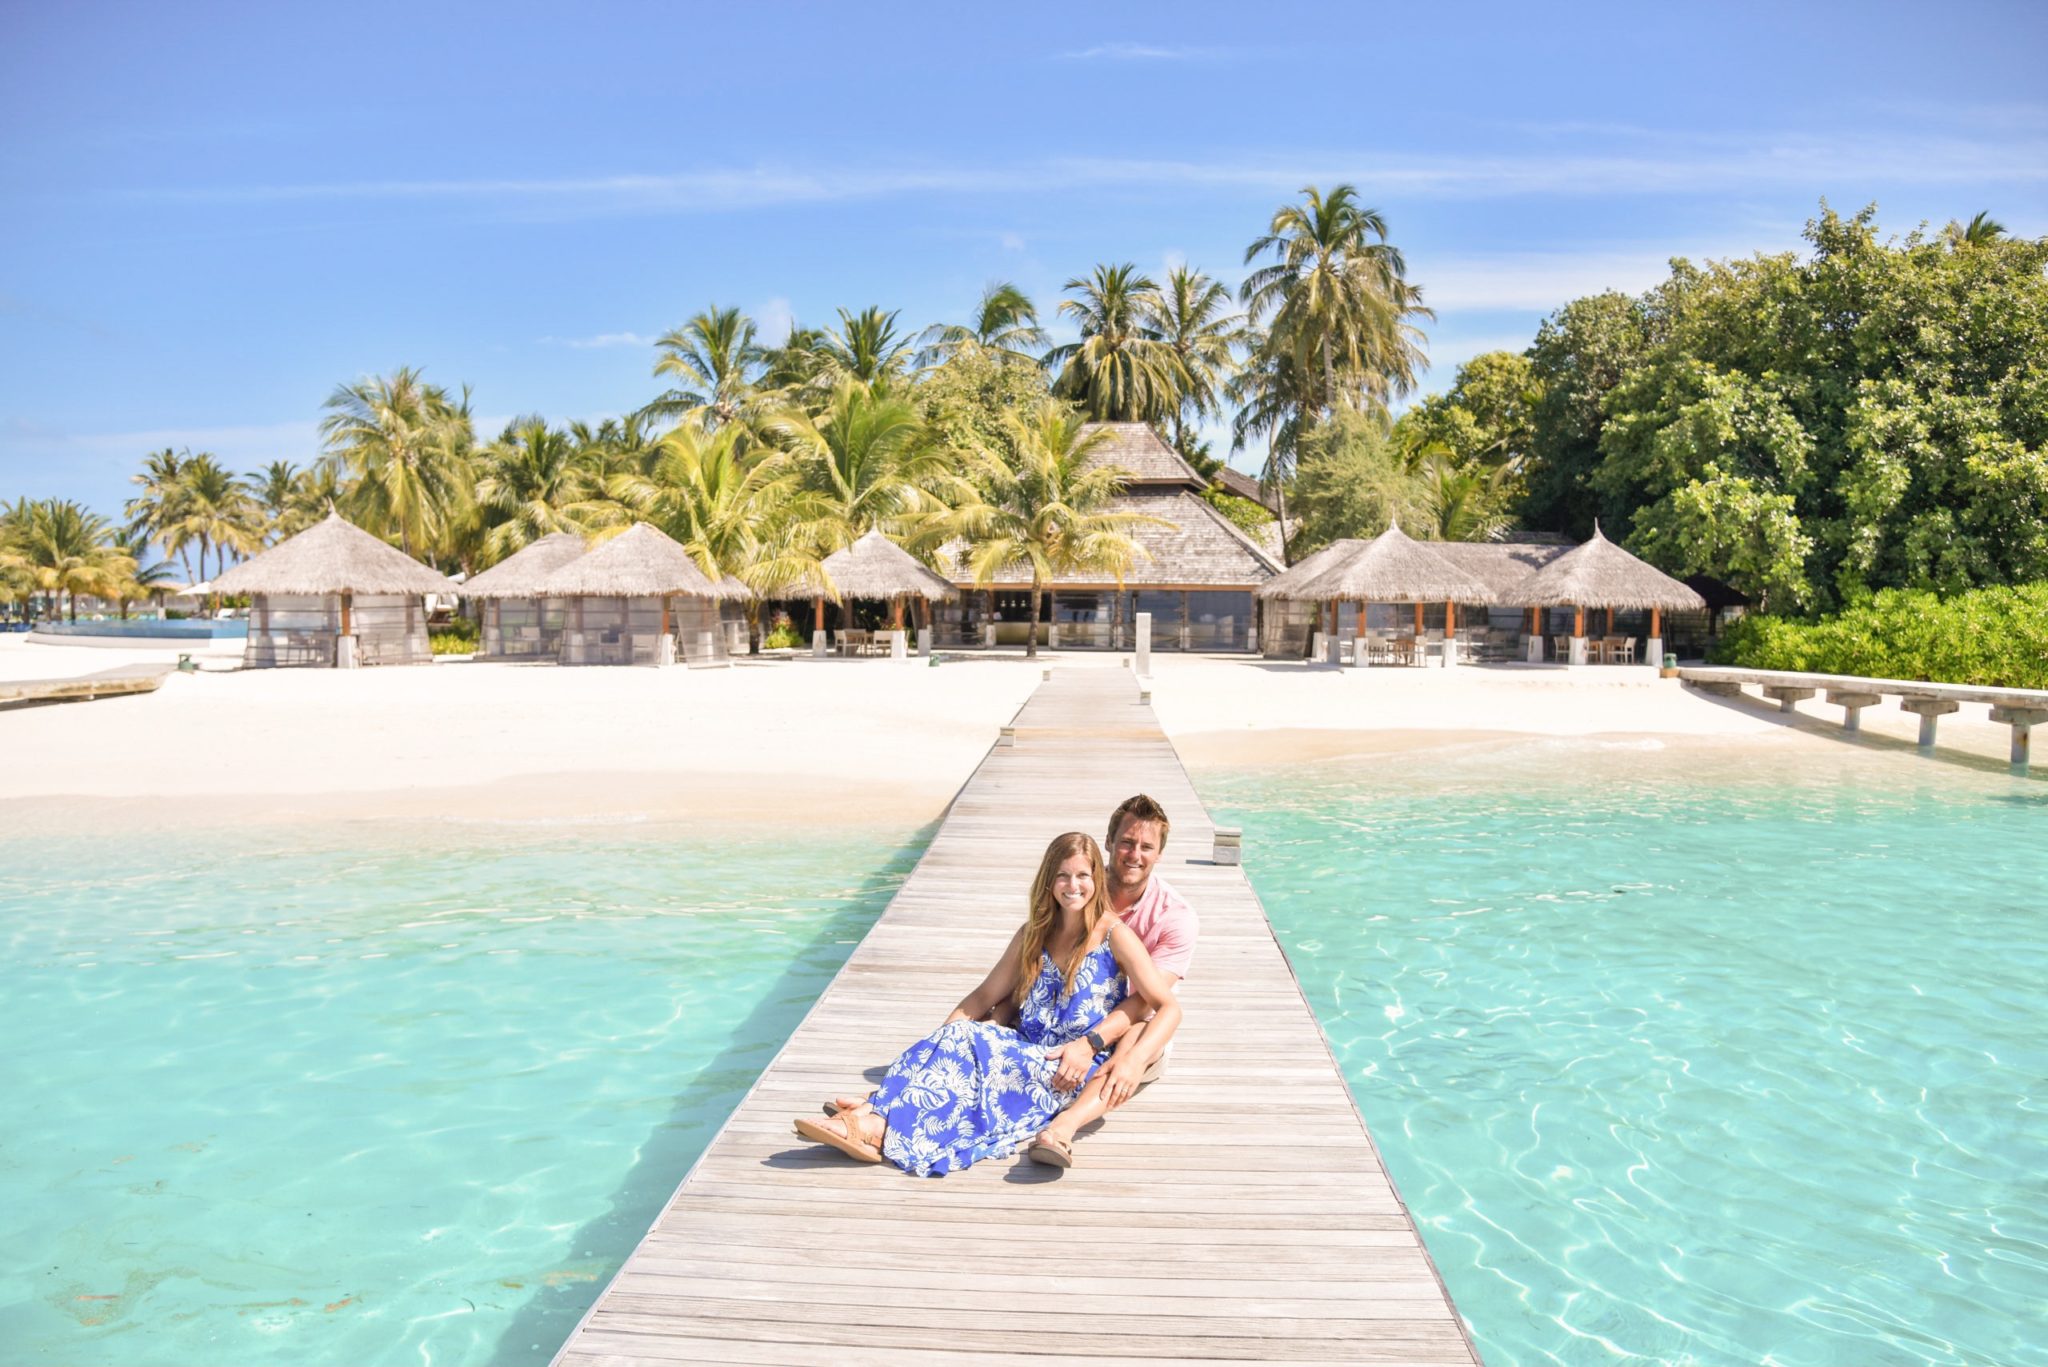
{"x": 1120, "y": 1078}
{"x": 1073, "y": 1064}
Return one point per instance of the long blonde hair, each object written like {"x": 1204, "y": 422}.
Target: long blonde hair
{"x": 1044, "y": 912}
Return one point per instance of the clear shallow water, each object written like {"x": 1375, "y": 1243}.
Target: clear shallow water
{"x": 289, "y": 1097}
{"x": 1682, "y": 1062}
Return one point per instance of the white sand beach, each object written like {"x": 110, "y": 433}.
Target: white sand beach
{"x": 778, "y": 739}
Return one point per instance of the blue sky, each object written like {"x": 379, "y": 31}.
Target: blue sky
{"x": 216, "y": 213}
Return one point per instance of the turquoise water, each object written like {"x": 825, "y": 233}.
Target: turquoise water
{"x": 355, "y": 1097}
{"x": 1682, "y": 1061}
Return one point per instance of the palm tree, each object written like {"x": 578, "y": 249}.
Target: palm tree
{"x": 1040, "y": 501}
{"x": 748, "y": 518}
{"x": 1465, "y": 500}
{"x": 1980, "y": 231}
{"x": 796, "y": 373}
{"x": 615, "y": 446}
{"x": 1337, "y": 297}
{"x": 1272, "y": 406}
{"x": 866, "y": 459}
{"x": 715, "y": 362}
{"x": 865, "y": 348}
{"x": 1193, "y": 317}
{"x": 142, "y": 581}
{"x": 1119, "y": 371}
{"x": 215, "y": 511}
{"x": 152, "y": 512}
{"x": 533, "y": 481}
{"x": 405, "y": 446}
{"x": 68, "y": 550}
{"x": 271, "y": 488}
{"x": 1005, "y": 323}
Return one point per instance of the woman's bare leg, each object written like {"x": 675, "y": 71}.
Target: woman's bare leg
{"x": 1087, "y": 1107}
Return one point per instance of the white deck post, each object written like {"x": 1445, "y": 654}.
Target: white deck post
{"x": 1852, "y": 705}
{"x": 1930, "y": 711}
{"x": 345, "y": 652}
{"x": 818, "y": 645}
{"x": 1450, "y": 655}
{"x": 2022, "y": 721}
{"x": 1578, "y": 650}
{"x": 1144, "y": 645}
{"x": 1532, "y": 649}
{"x": 899, "y": 646}
{"x": 1653, "y": 652}
{"x": 1358, "y": 647}
{"x": 1227, "y": 846}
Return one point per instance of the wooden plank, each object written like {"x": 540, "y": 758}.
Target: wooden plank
{"x": 1195, "y": 1227}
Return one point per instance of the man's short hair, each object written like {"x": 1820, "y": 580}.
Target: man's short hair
{"x": 1138, "y": 808}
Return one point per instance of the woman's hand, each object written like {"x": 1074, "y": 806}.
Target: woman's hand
{"x": 1075, "y": 1059}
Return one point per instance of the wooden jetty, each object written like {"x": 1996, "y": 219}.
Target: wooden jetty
{"x": 108, "y": 683}
{"x": 1236, "y": 1211}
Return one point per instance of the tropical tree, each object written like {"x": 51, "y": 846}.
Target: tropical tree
{"x": 272, "y": 488}
{"x": 1119, "y": 371}
{"x": 1005, "y": 322}
{"x": 795, "y": 374}
{"x": 16, "y": 583}
{"x": 1337, "y": 300}
{"x": 868, "y": 462}
{"x": 1040, "y": 501}
{"x": 67, "y": 550}
{"x": 1465, "y": 500}
{"x": 715, "y": 363}
{"x": 1194, "y": 318}
{"x": 216, "y": 511}
{"x": 152, "y": 512}
{"x": 405, "y": 446}
{"x": 865, "y": 348}
{"x": 142, "y": 581}
{"x": 615, "y": 446}
{"x": 1272, "y": 406}
{"x": 533, "y": 481}
{"x": 1981, "y": 230}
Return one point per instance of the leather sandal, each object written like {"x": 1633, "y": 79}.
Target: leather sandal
{"x": 847, "y": 1142}
{"x": 1051, "y": 1152}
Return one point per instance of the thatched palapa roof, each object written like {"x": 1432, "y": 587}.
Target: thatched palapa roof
{"x": 641, "y": 562}
{"x": 1503, "y": 566}
{"x": 1144, "y": 458}
{"x": 1393, "y": 568}
{"x": 1184, "y": 543}
{"x": 1601, "y": 574}
{"x": 332, "y": 556}
{"x": 516, "y": 575}
{"x": 1285, "y": 584}
{"x": 875, "y": 567}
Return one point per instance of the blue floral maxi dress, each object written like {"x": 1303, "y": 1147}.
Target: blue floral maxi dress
{"x": 975, "y": 1089}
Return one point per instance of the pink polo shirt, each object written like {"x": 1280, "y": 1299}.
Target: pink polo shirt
{"x": 1166, "y": 923}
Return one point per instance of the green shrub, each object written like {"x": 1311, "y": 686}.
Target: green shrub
{"x": 455, "y": 637}
{"x": 783, "y": 636}
{"x": 1996, "y": 637}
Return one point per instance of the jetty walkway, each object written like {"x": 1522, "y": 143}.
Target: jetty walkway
{"x": 1234, "y": 1212}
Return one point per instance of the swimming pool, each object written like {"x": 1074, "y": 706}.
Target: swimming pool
{"x": 1685, "y": 1058}
{"x": 366, "y": 1095}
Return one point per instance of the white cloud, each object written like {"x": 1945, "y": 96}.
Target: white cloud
{"x": 601, "y": 340}
{"x": 1653, "y": 164}
{"x": 1011, "y": 242}
{"x": 1138, "y": 52}
{"x": 773, "y": 322}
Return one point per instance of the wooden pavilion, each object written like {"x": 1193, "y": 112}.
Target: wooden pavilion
{"x": 1391, "y": 568}
{"x": 335, "y": 596}
{"x": 877, "y": 569}
{"x": 639, "y": 598}
{"x": 1600, "y": 574}
{"x": 1196, "y": 575}
{"x": 517, "y": 625}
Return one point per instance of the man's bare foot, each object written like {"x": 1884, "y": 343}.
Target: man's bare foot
{"x": 840, "y": 1104}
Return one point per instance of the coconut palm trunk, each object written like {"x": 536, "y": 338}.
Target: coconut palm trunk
{"x": 1037, "y": 606}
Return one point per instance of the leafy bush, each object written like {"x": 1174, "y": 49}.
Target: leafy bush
{"x": 1996, "y": 637}
{"x": 455, "y": 637}
{"x": 782, "y": 636}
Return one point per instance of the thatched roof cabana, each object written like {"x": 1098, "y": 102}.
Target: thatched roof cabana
{"x": 1393, "y": 568}
{"x": 1600, "y": 574}
{"x": 1285, "y": 584}
{"x": 875, "y": 567}
{"x": 517, "y": 574}
{"x": 332, "y": 556}
{"x": 641, "y": 562}
{"x": 1503, "y": 566}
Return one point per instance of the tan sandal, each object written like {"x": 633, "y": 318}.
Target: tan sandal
{"x": 847, "y": 1142}
{"x": 1051, "y": 1152}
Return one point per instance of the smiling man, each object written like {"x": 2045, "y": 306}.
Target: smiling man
{"x": 1166, "y": 923}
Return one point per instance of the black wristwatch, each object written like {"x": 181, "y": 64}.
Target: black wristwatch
{"x": 1101, "y": 1044}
